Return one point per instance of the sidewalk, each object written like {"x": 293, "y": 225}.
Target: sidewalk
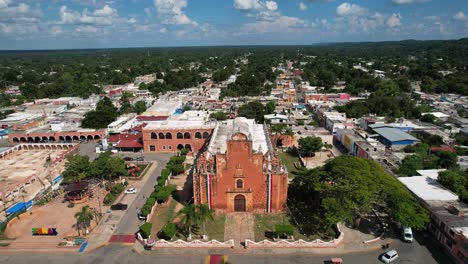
{"x": 352, "y": 243}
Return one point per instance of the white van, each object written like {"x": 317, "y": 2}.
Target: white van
{"x": 407, "y": 234}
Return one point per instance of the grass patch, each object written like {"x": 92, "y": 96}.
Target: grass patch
{"x": 288, "y": 160}
{"x": 164, "y": 214}
{"x": 215, "y": 228}
{"x": 265, "y": 227}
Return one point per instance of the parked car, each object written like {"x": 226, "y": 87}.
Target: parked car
{"x": 119, "y": 206}
{"x": 407, "y": 234}
{"x": 141, "y": 216}
{"x": 128, "y": 158}
{"x": 131, "y": 190}
{"x": 389, "y": 256}
{"x": 140, "y": 159}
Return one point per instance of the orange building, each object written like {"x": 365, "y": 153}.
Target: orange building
{"x": 240, "y": 171}
{"x": 173, "y": 135}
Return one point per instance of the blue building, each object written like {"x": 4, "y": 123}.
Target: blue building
{"x": 394, "y": 137}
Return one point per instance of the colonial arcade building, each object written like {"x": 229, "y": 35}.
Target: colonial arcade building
{"x": 240, "y": 171}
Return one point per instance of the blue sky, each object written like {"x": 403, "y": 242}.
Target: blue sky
{"x": 66, "y": 24}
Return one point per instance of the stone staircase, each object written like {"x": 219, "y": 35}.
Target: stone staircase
{"x": 239, "y": 226}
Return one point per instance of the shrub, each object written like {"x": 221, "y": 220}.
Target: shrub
{"x": 177, "y": 169}
{"x": 165, "y": 173}
{"x": 168, "y": 231}
{"x": 284, "y": 230}
{"x": 184, "y": 151}
{"x": 157, "y": 188}
{"x": 161, "y": 182}
{"x": 153, "y": 195}
{"x": 145, "y": 230}
{"x": 109, "y": 198}
{"x": 164, "y": 194}
{"x": 117, "y": 188}
{"x": 146, "y": 210}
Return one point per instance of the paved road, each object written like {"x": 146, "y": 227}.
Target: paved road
{"x": 130, "y": 222}
{"x": 423, "y": 250}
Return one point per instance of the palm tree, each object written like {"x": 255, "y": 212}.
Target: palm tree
{"x": 204, "y": 213}
{"x": 83, "y": 218}
{"x": 189, "y": 218}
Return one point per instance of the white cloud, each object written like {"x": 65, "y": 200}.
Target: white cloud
{"x": 4, "y": 3}
{"x": 302, "y": 6}
{"x": 347, "y": 9}
{"x": 261, "y": 10}
{"x": 104, "y": 16}
{"x": 163, "y": 30}
{"x": 271, "y": 5}
{"x": 394, "y": 21}
{"x": 86, "y": 29}
{"x": 285, "y": 24}
{"x": 406, "y": 2}
{"x": 247, "y": 4}
{"x": 460, "y": 16}
{"x": 105, "y": 11}
{"x": 171, "y": 12}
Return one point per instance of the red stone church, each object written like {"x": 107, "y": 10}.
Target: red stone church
{"x": 240, "y": 170}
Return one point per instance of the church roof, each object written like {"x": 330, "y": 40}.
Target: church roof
{"x": 224, "y": 131}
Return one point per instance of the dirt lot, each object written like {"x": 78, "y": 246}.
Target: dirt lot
{"x": 55, "y": 214}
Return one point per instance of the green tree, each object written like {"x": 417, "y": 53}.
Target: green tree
{"x": 204, "y": 214}
{"x": 220, "y": 116}
{"x": 77, "y": 168}
{"x": 125, "y": 106}
{"x": 456, "y": 181}
{"x": 83, "y": 218}
{"x": 139, "y": 107}
{"x": 310, "y": 145}
{"x": 189, "y": 218}
{"x": 252, "y": 110}
{"x": 104, "y": 114}
{"x": 270, "y": 107}
{"x": 428, "y": 118}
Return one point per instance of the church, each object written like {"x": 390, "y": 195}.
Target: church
{"x": 240, "y": 171}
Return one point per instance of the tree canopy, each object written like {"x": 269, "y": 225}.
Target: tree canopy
{"x": 104, "y": 114}
{"x": 310, "y": 145}
{"x": 345, "y": 190}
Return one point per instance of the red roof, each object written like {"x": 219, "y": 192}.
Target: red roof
{"x": 138, "y": 128}
{"x": 119, "y": 137}
{"x": 444, "y": 148}
{"x": 129, "y": 144}
{"x": 152, "y": 118}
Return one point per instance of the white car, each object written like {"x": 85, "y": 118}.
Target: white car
{"x": 407, "y": 234}
{"x": 131, "y": 190}
{"x": 389, "y": 256}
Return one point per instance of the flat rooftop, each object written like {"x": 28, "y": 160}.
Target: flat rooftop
{"x": 394, "y": 134}
{"x": 179, "y": 124}
{"x": 163, "y": 107}
{"x": 226, "y": 129}
{"x": 428, "y": 189}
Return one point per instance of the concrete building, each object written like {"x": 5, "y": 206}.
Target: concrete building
{"x": 163, "y": 108}
{"x": 395, "y": 138}
{"x": 449, "y": 216}
{"x": 173, "y": 135}
{"x": 240, "y": 170}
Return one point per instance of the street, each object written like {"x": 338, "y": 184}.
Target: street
{"x": 422, "y": 250}
{"x": 129, "y": 223}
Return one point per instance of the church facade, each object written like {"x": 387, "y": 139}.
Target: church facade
{"x": 240, "y": 171}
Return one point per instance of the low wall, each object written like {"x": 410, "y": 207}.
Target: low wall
{"x": 153, "y": 210}
{"x": 318, "y": 243}
{"x": 194, "y": 244}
